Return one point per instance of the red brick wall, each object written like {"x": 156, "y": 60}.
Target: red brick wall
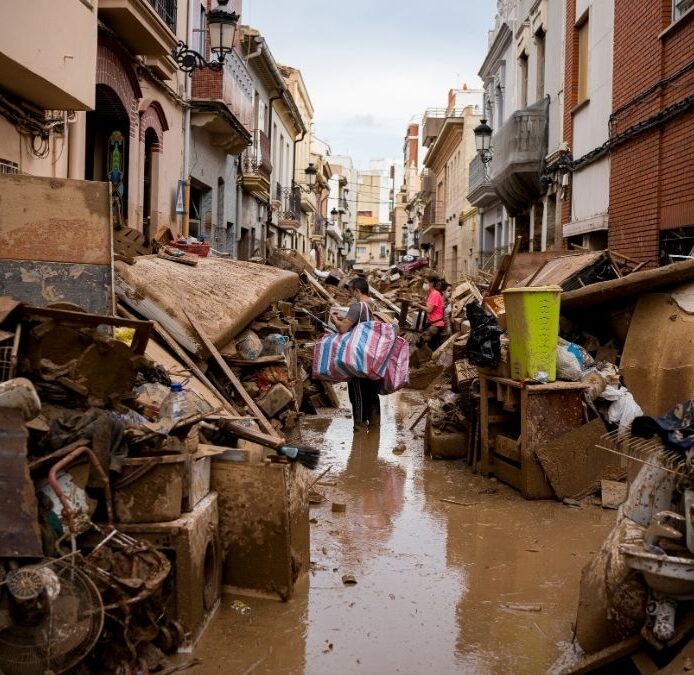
{"x": 651, "y": 176}
{"x": 114, "y": 71}
{"x": 570, "y": 96}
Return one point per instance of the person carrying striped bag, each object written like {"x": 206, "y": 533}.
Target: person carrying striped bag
{"x": 363, "y": 392}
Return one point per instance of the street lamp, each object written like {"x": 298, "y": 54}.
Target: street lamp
{"x": 311, "y": 172}
{"x": 222, "y": 26}
{"x": 483, "y": 141}
{"x": 333, "y": 216}
{"x": 349, "y": 238}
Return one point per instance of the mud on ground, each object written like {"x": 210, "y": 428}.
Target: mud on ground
{"x": 441, "y": 587}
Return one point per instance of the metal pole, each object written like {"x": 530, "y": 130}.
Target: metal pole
{"x": 186, "y": 125}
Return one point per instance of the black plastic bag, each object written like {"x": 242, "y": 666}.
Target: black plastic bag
{"x": 484, "y": 341}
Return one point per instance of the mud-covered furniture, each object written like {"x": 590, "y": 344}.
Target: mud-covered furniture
{"x": 515, "y": 419}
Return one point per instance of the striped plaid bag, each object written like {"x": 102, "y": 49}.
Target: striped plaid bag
{"x": 363, "y": 351}
{"x": 397, "y": 373}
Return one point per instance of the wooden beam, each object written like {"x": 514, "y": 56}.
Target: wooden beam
{"x": 646, "y": 281}
{"x": 388, "y": 303}
{"x": 318, "y": 288}
{"x": 606, "y": 656}
{"x": 187, "y": 361}
{"x": 214, "y": 352}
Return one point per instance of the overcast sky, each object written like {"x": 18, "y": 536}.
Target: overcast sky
{"x": 371, "y": 65}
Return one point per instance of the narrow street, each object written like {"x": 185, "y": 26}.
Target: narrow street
{"x": 433, "y": 577}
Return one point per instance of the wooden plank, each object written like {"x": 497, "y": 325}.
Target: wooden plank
{"x": 572, "y": 463}
{"x": 330, "y": 393}
{"x": 230, "y": 375}
{"x": 318, "y": 288}
{"x": 486, "y": 461}
{"x": 605, "y": 657}
{"x": 55, "y": 220}
{"x": 508, "y": 448}
{"x": 506, "y": 262}
{"x": 388, "y": 303}
{"x": 629, "y": 286}
{"x": 187, "y": 361}
{"x": 42, "y": 283}
{"x": 142, "y": 328}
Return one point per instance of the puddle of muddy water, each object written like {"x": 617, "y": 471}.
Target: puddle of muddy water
{"x": 439, "y": 585}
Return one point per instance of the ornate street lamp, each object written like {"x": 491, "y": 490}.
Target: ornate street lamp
{"x": 333, "y": 216}
{"x": 310, "y": 172}
{"x": 483, "y": 141}
{"x": 222, "y": 26}
{"x": 349, "y": 238}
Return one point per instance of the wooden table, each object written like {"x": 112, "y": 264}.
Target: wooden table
{"x": 516, "y": 418}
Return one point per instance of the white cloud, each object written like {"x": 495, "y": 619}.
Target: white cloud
{"x": 371, "y": 65}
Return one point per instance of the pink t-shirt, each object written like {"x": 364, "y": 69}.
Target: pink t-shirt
{"x": 436, "y": 299}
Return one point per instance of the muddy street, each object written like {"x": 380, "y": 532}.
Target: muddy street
{"x": 441, "y": 587}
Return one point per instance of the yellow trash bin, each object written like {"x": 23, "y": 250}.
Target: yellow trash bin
{"x": 532, "y": 318}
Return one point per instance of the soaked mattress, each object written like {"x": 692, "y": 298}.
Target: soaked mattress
{"x": 224, "y": 296}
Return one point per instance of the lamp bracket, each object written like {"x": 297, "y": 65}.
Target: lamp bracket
{"x": 189, "y": 60}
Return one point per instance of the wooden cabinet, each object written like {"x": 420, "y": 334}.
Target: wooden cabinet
{"x": 516, "y": 418}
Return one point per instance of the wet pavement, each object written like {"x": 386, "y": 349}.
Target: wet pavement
{"x": 441, "y": 587}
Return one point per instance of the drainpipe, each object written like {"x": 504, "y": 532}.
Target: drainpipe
{"x": 239, "y": 211}
{"x": 186, "y": 126}
{"x": 268, "y": 220}
{"x": 296, "y": 142}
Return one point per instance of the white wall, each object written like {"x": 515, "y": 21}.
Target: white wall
{"x": 591, "y": 121}
{"x": 591, "y": 190}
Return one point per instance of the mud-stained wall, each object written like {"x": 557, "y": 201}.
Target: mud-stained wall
{"x": 56, "y": 242}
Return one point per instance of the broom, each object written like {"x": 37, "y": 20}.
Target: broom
{"x": 225, "y": 431}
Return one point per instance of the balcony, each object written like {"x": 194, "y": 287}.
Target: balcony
{"x": 433, "y": 220}
{"x": 256, "y": 167}
{"x": 335, "y": 231}
{"x": 147, "y": 27}
{"x": 289, "y": 211}
{"x": 34, "y": 41}
{"x": 520, "y": 146}
{"x": 223, "y": 104}
{"x": 481, "y": 192}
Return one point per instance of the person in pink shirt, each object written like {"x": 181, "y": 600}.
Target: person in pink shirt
{"x": 435, "y": 307}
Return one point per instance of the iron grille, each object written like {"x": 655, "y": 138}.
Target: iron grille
{"x": 166, "y": 9}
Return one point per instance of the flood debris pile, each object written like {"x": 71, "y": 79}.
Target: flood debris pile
{"x": 575, "y": 381}
{"x": 131, "y": 445}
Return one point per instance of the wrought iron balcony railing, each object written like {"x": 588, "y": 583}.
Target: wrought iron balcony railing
{"x": 166, "y": 9}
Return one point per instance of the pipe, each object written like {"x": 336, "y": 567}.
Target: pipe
{"x": 268, "y": 220}
{"x": 186, "y": 122}
{"x": 237, "y": 223}
{"x": 260, "y": 41}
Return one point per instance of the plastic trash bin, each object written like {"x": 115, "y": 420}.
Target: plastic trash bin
{"x": 532, "y": 318}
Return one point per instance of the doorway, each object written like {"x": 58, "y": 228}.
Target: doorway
{"x": 151, "y": 142}
{"x": 106, "y": 157}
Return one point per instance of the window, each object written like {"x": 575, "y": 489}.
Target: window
{"x": 680, "y": 7}
{"x": 540, "y": 46}
{"x": 583, "y": 57}
{"x": 200, "y": 31}
{"x": 523, "y": 71}
{"x": 383, "y": 250}
{"x": 6, "y": 166}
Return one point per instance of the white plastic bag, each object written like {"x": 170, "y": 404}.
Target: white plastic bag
{"x": 624, "y": 408}
{"x": 572, "y": 361}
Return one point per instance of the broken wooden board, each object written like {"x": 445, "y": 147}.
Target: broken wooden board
{"x": 56, "y": 242}
{"x": 236, "y": 383}
{"x": 613, "y": 493}
{"x": 20, "y": 536}
{"x": 572, "y": 463}
{"x": 223, "y": 296}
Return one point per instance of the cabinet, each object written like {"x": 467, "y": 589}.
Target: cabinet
{"x": 516, "y": 418}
